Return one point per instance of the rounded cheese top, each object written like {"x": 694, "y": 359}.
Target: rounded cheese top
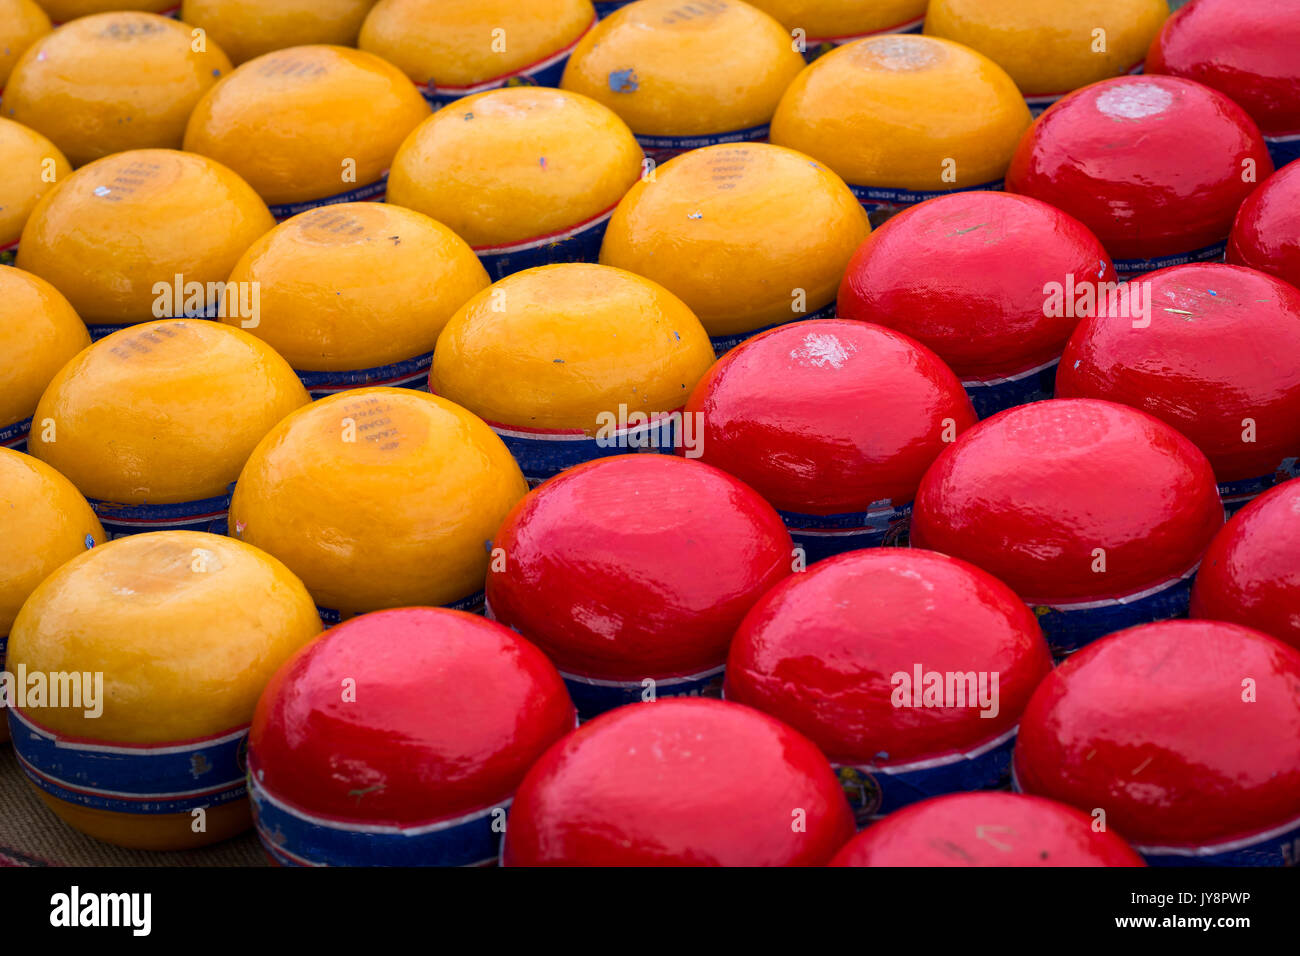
{"x": 1049, "y": 47}
{"x": 249, "y": 28}
{"x": 307, "y": 122}
{"x": 186, "y": 628}
{"x": 1266, "y": 233}
{"x": 514, "y": 164}
{"x": 163, "y": 412}
{"x": 39, "y": 332}
{"x": 554, "y": 347}
{"x": 905, "y": 111}
{"x": 123, "y": 224}
{"x": 680, "y": 68}
{"x": 459, "y": 43}
{"x": 32, "y": 165}
{"x": 112, "y": 82}
{"x": 22, "y": 23}
{"x": 356, "y": 285}
{"x": 450, "y": 713}
{"x": 379, "y": 497}
{"x": 743, "y": 233}
{"x": 47, "y": 523}
{"x": 61, "y": 11}
{"x": 832, "y": 19}
{"x": 1030, "y": 494}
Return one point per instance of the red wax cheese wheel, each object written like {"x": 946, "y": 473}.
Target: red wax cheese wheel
{"x": 1184, "y": 732}
{"x": 636, "y": 566}
{"x": 1220, "y": 362}
{"x": 1114, "y": 155}
{"x": 1266, "y": 233}
{"x": 679, "y": 783}
{"x": 986, "y": 829}
{"x": 1251, "y": 571}
{"x": 449, "y": 712}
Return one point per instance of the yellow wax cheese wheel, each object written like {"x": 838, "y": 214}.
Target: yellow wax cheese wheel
{"x": 163, "y": 412}
{"x": 112, "y": 82}
{"x": 905, "y": 111}
{"x": 836, "y": 19}
{"x": 357, "y": 285}
{"x": 39, "y": 333}
{"x": 748, "y": 235}
{"x": 1049, "y": 47}
{"x": 118, "y": 227}
{"x": 458, "y": 44}
{"x": 22, "y": 23}
{"x": 249, "y": 28}
{"x": 686, "y": 67}
{"x": 554, "y": 347}
{"x": 61, "y": 11}
{"x": 308, "y": 122}
{"x": 379, "y": 497}
{"x": 515, "y": 164}
{"x": 32, "y": 166}
{"x": 186, "y": 629}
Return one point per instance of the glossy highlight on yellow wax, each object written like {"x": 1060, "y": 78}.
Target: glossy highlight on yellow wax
{"x": 249, "y": 28}
{"x": 22, "y": 23}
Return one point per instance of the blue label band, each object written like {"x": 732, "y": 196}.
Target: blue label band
{"x": 15, "y": 436}
{"x": 663, "y": 148}
{"x": 605, "y": 9}
{"x": 881, "y": 197}
{"x": 472, "y": 604}
{"x": 145, "y": 779}
{"x": 295, "y": 838}
{"x": 207, "y": 514}
{"x": 992, "y": 395}
{"x": 546, "y": 72}
{"x": 722, "y": 344}
{"x": 1283, "y": 149}
{"x": 411, "y": 373}
{"x": 1279, "y": 846}
{"x": 1069, "y": 627}
{"x": 592, "y": 697}
{"x": 821, "y": 536}
{"x": 543, "y": 454}
{"x": 815, "y": 47}
{"x": 1133, "y": 268}
{"x": 1237, "y": 494}
{"x": 875, "y": 791}
{"x": 99, "y": 331}
{"x": 580, "y": 243}
{"x": 371, "y": 192}
{"x": 10, "y": 252}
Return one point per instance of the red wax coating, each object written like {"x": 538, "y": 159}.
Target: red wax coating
{"x": 1151, "y": 725}
{"x": 1031, "y": 493}
{"x": 964, "y": 276}
{"x": 679, "y": 782}
{"x": 820, "y": 651}
{"x": 1251, "y": 572}
{"x": 449, "y": 712}
{"x": 1220, "y": 362}
{"x": 828, "y": 416}
{"x": 1266, "y": 234}
{"x": 1153, "y": 165}
{"x": 986, "y": 829}
{"x": 636, "y": 566}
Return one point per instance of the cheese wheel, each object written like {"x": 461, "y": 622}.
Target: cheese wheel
{"x": 308, "y": 125}
{"x": 1245, "y": 49}
{"x": 1048, "y": 47}
{"x": 833, "y": 422}
{"x": 1251, "y": 572}
{"x": 1215, "y": 357}
{"x": 934, "y": 662}
{"x": 1096, "y": 514}
{"x": 1184, "y": 733}
{"x": 632, "y": 574}
{"x": 135, "y": 236}
{"x": 987, "y": 829}
{"x": 153, "y": 423}
{"x": 904, "y": 118}
{"x": 113, "y": 82}
{"x": 416, "y": 767}
{"x": 356, "y": 293}
{"x": 455, "y": 48}
{"x": 679, "y": 783}
{"x": 48, "y": 522}
{"x": 686, "y": 74}
{"x": 1266, "y": 233}
{"x": 1114, "y": 156}
{"x": 527, "y": 177}
{"x": 377, "y": 498}
{"x": 573, "y": 362}
{"x": 988, "y": 312}
{"x": 171, "y": 637}
{"x": 32, "y": 166}
{"x": 750, "y": 236}
{"x": 826, "y": 24}
{"x": 61, "y": 11}
{"x": 249, "y": 28}
{"x": 22, "y": 23}
{"x": 39, "y": 333}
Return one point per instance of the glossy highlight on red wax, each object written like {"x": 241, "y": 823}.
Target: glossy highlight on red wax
{"x": 1150, "y": 724}
{"x": 1119, "y": 156}
{"x": 1030, "y": 493}
{"x": 821, "y": 648}
{"x": 679, "y": 782}
{"x": 449, "y": 712}
{"x": 1266, "y": 233}
{"x": 636, "y": 566}
{"x": 986, "y": 829}
{"x": 828, "y": 416}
